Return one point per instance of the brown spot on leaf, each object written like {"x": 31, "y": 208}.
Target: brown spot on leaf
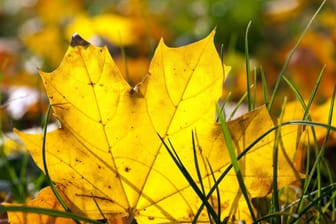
{"x": 77, "y": 40}
{"x": 92, "y": 84}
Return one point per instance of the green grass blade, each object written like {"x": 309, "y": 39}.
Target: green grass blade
{"x": 234, "y": 160}
{"x": 324, "y": 144}
{"x": 173, "y": 154}
{"x": 323, "y": 147}
{"x": 312, "y": 95}
{"x": 253, "y": 106}
{"x": 275, "y": 195}
{"x": 264, "y": 85}
{"x": 329, "y": 173}
{"x": 313, "y": 202}
{"x": 306, "y": 116}
{"x": 318, "y": 158}
{"x": 314, "y": 91}
{"x": 284, "y": 67}
{"x": 329, "y": 188}
{"x": 99, "y": 209}
{"x": 197, "y": 168}
{"x": 23, "y": 170}
{"x": 217, "y": 193}
{"x": 124, "y": 59}
{"x": 44, "y": 211}
{"x": 275, "y": 215}
{"x": 330, "y": 203}
{"x": 296, "y": 91}
{"x": 238, "y": 104}
{"x": 248, "y": 72}
{"x": 15, "y": 180}
{"x": 45, "y": 167}
{"x": 258, "y": 139}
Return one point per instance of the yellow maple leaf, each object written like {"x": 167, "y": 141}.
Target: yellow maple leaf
{"x": 108, "y": 149}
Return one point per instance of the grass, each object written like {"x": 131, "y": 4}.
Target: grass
{"x": 309, "y": 206}
{"x": 309, "y": 200}
{"x": 316, "y": 202}
{"x": 14, "y": 176}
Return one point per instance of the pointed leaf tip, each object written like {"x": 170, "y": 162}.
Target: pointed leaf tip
{"x": 77, "y": 40}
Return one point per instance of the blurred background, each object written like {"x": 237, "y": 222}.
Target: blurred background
{"x": 34, "y": 35}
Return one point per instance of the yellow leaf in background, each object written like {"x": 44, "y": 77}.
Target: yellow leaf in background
{"x": 318, "y": 113}
{"x": 321, "y": 114}
{"x": 45, "y": 199}
{"x": 137, "y": 68}
{"x": 57, "y": 12}
{"x": 108, "y": 147}
{"x": 43, "y": 35}
{"x": 10, "y": 146}
{"x": 49, "y": 36}
{"x": 118, "y": 30}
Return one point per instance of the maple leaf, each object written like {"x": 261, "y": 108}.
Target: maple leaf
{"x": 108, "y": 149}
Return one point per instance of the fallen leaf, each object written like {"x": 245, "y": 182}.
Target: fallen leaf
{"x": 108, "y": 147}
{"x": 45, "y": 199}
{"x": 318, "y": 113}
